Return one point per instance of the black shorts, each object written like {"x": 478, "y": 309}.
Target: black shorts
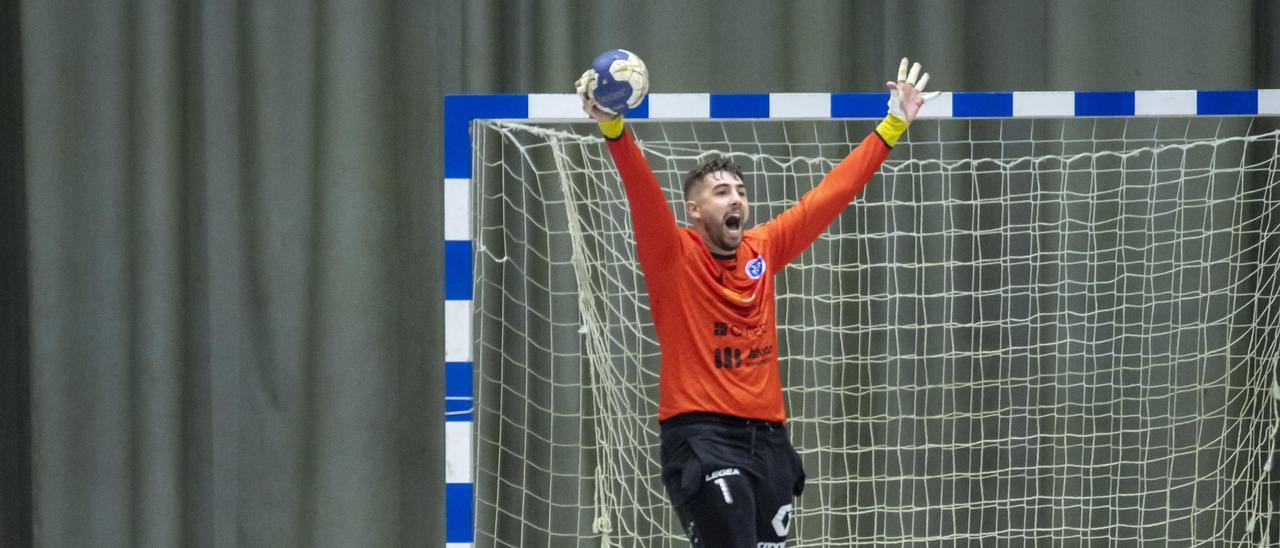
{"x": 732, "y": 481}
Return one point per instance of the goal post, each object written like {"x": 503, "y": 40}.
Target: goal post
{"x": 1050, "y": 317}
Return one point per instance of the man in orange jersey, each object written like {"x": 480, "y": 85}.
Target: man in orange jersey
{"x": 727, "y": 464}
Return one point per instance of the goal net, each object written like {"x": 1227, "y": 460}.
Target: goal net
{"x": 1021, "y": 333}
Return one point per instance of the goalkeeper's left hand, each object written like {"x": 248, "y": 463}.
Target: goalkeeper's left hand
{"x": 610, "y": 124}
{"x": 589, "y": 105}
{"x": 906, "y": 95}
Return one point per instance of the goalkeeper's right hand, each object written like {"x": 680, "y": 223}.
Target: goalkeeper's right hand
{"x": 906, "y": 98}
{"x": 610, "y": 125}
{"x": 906, "y": 95}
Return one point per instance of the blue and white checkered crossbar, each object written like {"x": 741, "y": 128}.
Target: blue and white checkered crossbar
{"x": 460, "y": 110}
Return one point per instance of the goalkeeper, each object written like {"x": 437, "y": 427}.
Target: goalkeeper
{"x": 729, "y": 469}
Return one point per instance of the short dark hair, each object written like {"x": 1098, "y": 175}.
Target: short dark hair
{"x": 707, "y": 167}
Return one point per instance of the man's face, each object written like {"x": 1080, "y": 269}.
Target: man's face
{"x": 718, "y": 210}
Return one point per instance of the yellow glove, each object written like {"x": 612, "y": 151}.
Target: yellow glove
{"x": 611, "y": 128}
{"x": 891, "y": 129}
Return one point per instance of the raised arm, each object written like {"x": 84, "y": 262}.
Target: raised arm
{"x": 657, "y": 239}
{"x": 797, "y": 227}
{"x": 794, "y": 229}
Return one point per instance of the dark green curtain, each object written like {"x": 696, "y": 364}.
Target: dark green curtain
{"x": 15, "y": 383}
{"x": 229, "y": 237}
{"x": 233, "y": 208}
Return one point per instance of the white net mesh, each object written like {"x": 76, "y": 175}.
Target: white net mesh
{"x": 1050, "y": 332}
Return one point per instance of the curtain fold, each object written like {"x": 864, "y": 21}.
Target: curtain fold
{"x": 15, "y": 320}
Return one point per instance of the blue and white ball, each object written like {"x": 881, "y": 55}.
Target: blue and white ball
{"x": 619, "y": 81}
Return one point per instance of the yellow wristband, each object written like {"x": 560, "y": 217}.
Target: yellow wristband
{"x": 611, "y": 128}
{"x": 891, "y": 128}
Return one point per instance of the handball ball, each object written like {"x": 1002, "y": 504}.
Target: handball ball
{"x": 619, "y": 81}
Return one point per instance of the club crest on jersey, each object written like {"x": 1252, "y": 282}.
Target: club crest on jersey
{"x": 755, "y": 268}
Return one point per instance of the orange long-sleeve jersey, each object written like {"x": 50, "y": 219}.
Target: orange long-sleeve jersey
{"x": 714, "y": 317}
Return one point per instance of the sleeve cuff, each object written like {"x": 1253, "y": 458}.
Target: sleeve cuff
{"x": 611, "y": 128}
{"x": 891, "y": 128}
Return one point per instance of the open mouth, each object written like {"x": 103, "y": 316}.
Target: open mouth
{"x": 733, "y": 221}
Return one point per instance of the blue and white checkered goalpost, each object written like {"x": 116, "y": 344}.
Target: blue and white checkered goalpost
{"x": 606, "y": 527}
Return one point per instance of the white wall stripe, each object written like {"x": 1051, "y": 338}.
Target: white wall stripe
{"x": 1035, "y": 104}
{"x": 555, "y": 106}
{"x": 939, "y": 107}
{"x": 457, "y": 452}
{"x": 800, "y": 105}
{"x": 1269, "y": 101}
{"x": 1164, "y": 103}
{"x": 679, "y": 105}
{"x": 457, "y": 331}
{"x": 457, "y": 209}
